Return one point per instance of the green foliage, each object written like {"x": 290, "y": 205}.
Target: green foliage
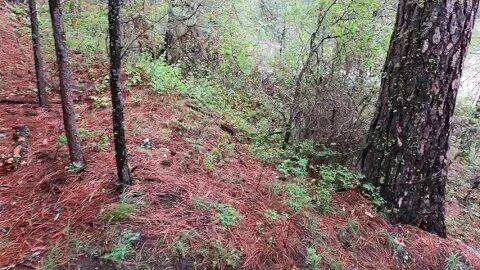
{"x": 101, "y": 142}
{"x": 51, "y": 260}
{"x": 163, "y": 77}
{"x": 227, "y": 215}
{"x": 453, "y": 262}
{"x": 180, "y": 245}
{"x": 102, "y": 84}
{"x": 296, "y": 167}
{"x": 201, "y": 203}
{"x": 100, "y": 102}
{"x": 272, "y": 214}
{"x": 212, "y": 158}
{"x": 373, "y": 193}
{"x": 349, "y": 235}
{"x": 312, "y": 260}
{"x": 120, "y": 211}
{"x": 75, "y": 167}
{"x": 123, "y": 247}
{"x": 18, "y": 9}
{"x": 298, "y": 195}
{"x": 224, "y": 254}
{"x": 322, "y": 199}
{"x": 62, "y": 140}
{"x": 337, "y": 176}
{"x": 397, "y": 247}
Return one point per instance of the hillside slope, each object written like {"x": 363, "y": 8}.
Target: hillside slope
{"x": 200, "y": 200}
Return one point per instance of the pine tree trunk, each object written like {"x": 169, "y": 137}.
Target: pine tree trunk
{"x": 406, "y": 153}
{"x": 71, "y": 130}
{"x": 123, "y": 171}
{"x": 37, "y": 54}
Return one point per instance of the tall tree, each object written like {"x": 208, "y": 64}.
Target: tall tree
{"x": 123, "y": 171}
{"x": 37, "y": 54}
{"x": 406, "y": 153}
{"x": 71, "y": 130}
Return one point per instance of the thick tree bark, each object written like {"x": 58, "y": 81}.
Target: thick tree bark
{"x": 406, "y": 153}
{"x": 37, "y": 54}
{"x": 71, "y": 130}
{"x": 123, "y": 171}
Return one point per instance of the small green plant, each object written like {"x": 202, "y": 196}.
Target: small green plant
{"x": 17, "y": 9}
{"x": 212, "y": 158}
{"x": 226, "y": 146}
{"x": 227, "y": 215}
{"x": 201, "y": 203}
{"x": 298, "y": 195}
{"x": 102, "y": 84}
{"x": 337, "y": 176}
{"x": 75, "y": 167}
{"x": 322, "y": 199}
{"x": 122, "y": 210}
{"x": 123, "y": 247}
{"x": 52, "y": 258}
{"x": 373, "y": 193}
{"x": 397, "y": 247}
{"x": 100, "y": 102}
{"x": 85, "y": 132}
{"x": 453, "y": 262}
{"x": 313, "y": 259}
{"x": 62, "y": 140}
{"x": 223, "y": 254}
{"x": 349, "y": 235}
{"x": 180, "y": 244}
{"x": 163, "y": 77}
{"x": 134, "y": 74}
{"x": 272, "y": 214}
{"x": 102, "y": 142}
{"x": 298, "y": 167}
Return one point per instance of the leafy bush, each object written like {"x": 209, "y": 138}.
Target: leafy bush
{"x": 163, "y": 77}
{"x": 298, "y": 195}
{"x": 297, "y": 167}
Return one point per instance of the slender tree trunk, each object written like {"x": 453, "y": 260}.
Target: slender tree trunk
{"x": 123, "y": 171}
{"x": 71, "y": 130}
{"x": 406, "y": 153}
{"x": 37, "y": 54}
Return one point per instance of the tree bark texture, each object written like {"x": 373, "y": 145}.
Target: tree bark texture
{"x": 71, "y": 130}
{"x": 123, "y": 171}
{"x": 406, "y": 153}
{"x": 37, "y": 54}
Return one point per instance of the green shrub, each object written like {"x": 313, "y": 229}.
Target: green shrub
{"x": 227, "y": 215}
{"x": 163, "y": 77}
{"x": 298, "y": 195}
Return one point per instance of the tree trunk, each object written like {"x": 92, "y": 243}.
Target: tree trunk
{"x": 406, "y": 153}
{"x": 37, "y": 54}
{"x": 123, "y": 171}
{"x": 71, "y": 130}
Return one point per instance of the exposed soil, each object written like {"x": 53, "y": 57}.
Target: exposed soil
{"x": 42, "y": 205}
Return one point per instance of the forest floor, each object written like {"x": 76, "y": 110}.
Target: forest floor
{"x": 178, "y": 212}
